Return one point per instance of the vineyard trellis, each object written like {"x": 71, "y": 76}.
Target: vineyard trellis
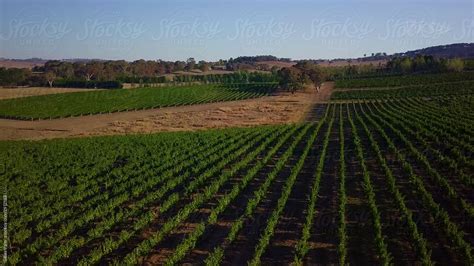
{"x": 173, "y": 198}
{"x": 110, "y": 101}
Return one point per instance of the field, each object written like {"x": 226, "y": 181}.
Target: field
{"x": 404, "y": 80}
{"x": 234, "y": 133}
{"x": 423, "y": 90}
{"x": 374, "y": 179}
{"x": 11, "y": 93}
{"x": 277, "y": 108}
{"x": 107, "y": 101}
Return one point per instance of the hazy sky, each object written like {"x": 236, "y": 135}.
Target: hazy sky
{"x": 213, "y": 29}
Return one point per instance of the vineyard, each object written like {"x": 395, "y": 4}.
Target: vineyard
{"x": 249, "y": 133}
{"x": 404, "y": 80}
{"x": 108, "y": 101}
{"x": 424, "y": 90}
{"x": 386, "y": 181}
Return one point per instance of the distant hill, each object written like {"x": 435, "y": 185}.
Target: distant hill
{"x": 462, "y": 50}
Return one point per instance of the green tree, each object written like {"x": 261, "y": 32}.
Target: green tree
{"x": 455, "y": 65}
{"x": 291, "y": 79}
{"x": 204, "y": 66}
{"x": 406, "y": 65}
{"x": 311, "y": 72}
{"x": 190, "y": 64}
{"x": 14, "y": 76}
{"x": 419, "y": 63}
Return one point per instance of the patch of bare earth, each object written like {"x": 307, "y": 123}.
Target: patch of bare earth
{"x": 278, "y": 109}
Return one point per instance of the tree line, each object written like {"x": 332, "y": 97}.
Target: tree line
{"x": 403, "y": 65}
{"x": 110, "y": 74}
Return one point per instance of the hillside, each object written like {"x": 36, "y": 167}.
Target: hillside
{"x": 463, "y": 50}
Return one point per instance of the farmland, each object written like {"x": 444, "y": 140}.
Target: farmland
{"x": 404, "y": 80}
{"x": 107, "y": 101}
{"x": 236, "y": 133}
{"x": 376, "y": 179}
{"x": 422, "y": 90}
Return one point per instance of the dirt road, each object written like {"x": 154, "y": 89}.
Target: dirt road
{"x": 278, "y": 109}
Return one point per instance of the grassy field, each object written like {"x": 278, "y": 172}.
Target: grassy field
{"x": 372, "y": 182}
{"x": 106, "y": 101}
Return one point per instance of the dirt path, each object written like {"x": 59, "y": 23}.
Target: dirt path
{"x": 279, "y": 109}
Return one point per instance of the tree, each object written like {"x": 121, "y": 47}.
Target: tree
{"x": 406, "y": 65}
{"x": 139, "y": 68}
{"x": 52, "y": 66}
{"x": 294, "y": 78}
{"x": 116, "y": 68}
{"x": 455, "y": 65}
{"x": 109, "y": 72}
{"x": 179, "y": 66}
{"x": 419, "y": 63}
{"x": 291, "y": 79}
{"x": 14, "y": 76}
{"x": 50, "y": 77}
{"x": 317, "y": 76}
{"x": 87, "y": 71}
{"x": 311, "y": 72}
{"x": 190, "y": 64}
{"x": 93, "y": 69}
{"x": 203, "y": 66}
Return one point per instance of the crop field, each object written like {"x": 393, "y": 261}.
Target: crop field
{"x": 423, "y": 90}
{"x": 404, "y": 80}
{"x": 107, "y": 101}
{"x": 199, "y": 133}
{"x": 372, "y": 182}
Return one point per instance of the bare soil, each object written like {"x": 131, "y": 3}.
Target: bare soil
{"x": 278, "y": 109}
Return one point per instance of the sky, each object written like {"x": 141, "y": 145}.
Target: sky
{"x": 220, "y": 29}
